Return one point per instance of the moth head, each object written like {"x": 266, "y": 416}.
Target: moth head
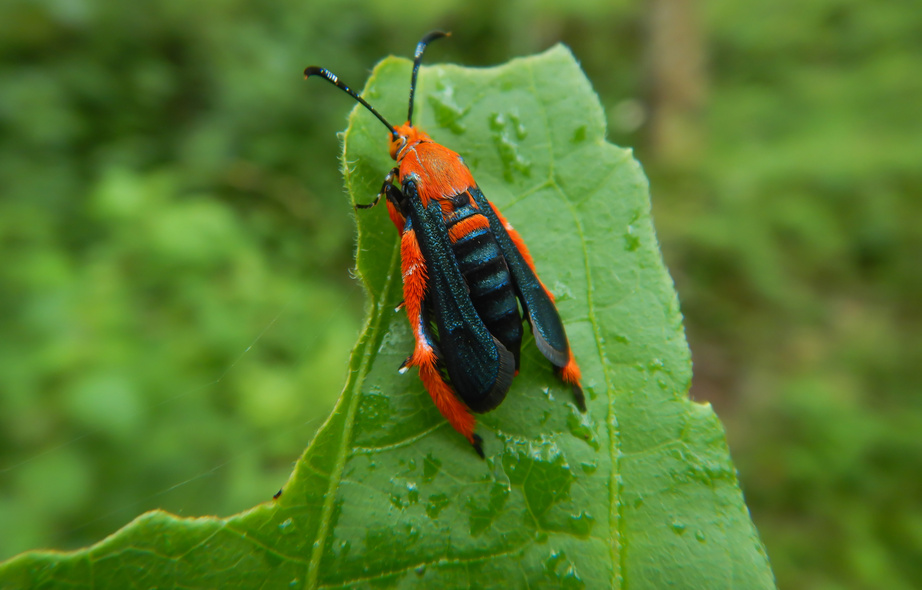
{"x": 404, "y": 137}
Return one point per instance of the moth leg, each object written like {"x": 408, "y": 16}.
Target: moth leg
{"x": 388, "y": 183}
{"x": 425, "y": 353}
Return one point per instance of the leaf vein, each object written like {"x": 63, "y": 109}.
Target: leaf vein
{"x": 373, "y": 337}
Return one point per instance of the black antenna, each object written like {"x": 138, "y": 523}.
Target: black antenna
{"x": 417, "y": 59}
{"x": 332, "y": 79}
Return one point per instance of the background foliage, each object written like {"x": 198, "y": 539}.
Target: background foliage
{"x": 175, "y": 308}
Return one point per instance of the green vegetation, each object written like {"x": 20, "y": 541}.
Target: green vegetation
{"x": 170, "y": 196}
{"x": 389, "y": 496}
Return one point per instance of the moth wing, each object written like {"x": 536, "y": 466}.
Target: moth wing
{"x": 550, "y": 337}
{"x": 479, "y": 367}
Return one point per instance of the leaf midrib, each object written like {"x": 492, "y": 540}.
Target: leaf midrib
{"x": 371, "y": 338}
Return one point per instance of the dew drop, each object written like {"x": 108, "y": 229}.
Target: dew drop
{"x": 562, "y": 291}
{"x": 581, "y": 524}
{"x": 520, "y": 131}
{"x": 398, "y": 502}
{"x": 412, "y": 493}
{"x": 631, "y": 239}
{"x": 580, "y": 426}
{"x": 513, "y": 162}
{"x": 431, "y": 467}
{"x": 412, "y": 532}
{"x": 497, "y": 121}
{"x": 551, "y": 562}
{"x": 483, "y": 513}
{"x": 678, "y": 527}
{"x": 562, "y": 571}
{"x": 287, "y": 527}
{"x": 700, "y": 536}
{"x": 447, "y": 112}
{"x": 436, "y": 503}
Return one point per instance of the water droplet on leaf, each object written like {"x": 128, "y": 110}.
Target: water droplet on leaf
{"x": 580, "y": 426}
{"x": 287, "y": 526}
{"x": 447, "y": 112}
{"x": 437, "y": 503}
{"x": 513, "y": 161}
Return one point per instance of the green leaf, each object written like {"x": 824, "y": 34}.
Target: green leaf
{"x": 639, "y": 492}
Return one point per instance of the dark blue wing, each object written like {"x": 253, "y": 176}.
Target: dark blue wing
{"x": 546, "y": 326}
{"x": 479, "y": 367}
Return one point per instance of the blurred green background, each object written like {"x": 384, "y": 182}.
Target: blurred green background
{"x": 176, "y": 309}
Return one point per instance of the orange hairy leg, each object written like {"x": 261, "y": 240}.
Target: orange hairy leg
{"x": 413, "y": 266}
{"x": 396, "y": 218}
